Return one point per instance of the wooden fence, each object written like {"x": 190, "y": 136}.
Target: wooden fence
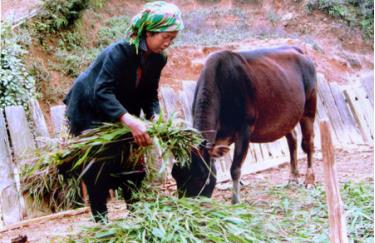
{"x": 349, "y": 109}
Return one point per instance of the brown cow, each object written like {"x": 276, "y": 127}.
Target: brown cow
{"x": 256, "y": 96}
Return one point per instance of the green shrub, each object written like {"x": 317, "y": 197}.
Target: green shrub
{"x": 72, "y": 63}
{"x": 16, "y": 85}
{"x": 114, "y": 29}
{"x": 58, "y": 14}
{"x": 45, "y": 90}
{"x": 353, "y": 12}
{"x": 97, "y": 4}
{"x": 69, "y": 40}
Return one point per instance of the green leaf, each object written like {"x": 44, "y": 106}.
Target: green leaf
{"x": 105, "y": 234}
{"x": 158, "y": 233}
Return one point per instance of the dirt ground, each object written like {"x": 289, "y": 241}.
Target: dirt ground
{"x": 354, "y": 164}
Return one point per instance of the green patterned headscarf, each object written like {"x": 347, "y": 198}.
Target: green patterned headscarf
{"x": 156, "y": 16}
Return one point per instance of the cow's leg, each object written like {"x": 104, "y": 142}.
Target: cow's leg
{"x": 292, "y": 144}
{"x": 307, "y": 127}
{"x": 308, "y": 147}
{"x": 240, "y": 152}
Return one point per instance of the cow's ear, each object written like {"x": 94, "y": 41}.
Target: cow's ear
{"x": 218, "y": 151}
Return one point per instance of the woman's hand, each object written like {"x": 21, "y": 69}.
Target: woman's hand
{"x": 138, "y": 129}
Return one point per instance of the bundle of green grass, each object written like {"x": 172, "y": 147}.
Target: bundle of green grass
{"x": 43, "y": 183}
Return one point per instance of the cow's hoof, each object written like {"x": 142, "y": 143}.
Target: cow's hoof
{"x": 235, "y": 200}
{"x": 309, "y": 186}
{"x": 293, "y": 180}
{"x": 310, "y": 178}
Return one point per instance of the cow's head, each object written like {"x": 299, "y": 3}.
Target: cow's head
{"x": 199, "y": 178}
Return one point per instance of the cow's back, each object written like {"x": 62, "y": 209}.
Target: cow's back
{"x": 279, "y": 90}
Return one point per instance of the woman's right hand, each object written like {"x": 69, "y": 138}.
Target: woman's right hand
{"x": 138, "y": 129}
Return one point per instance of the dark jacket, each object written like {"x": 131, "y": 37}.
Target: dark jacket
{"x": 107, "y": 89}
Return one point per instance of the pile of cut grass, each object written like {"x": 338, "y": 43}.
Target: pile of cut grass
{"x": 269, "y": 214}
{"x": 166, "y": 219}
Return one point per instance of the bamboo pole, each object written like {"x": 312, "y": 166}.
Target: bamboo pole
{"x": 64, "y": 214}
{"x": 337, "y": 223}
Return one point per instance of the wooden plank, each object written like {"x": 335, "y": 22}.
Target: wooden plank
{"x": 317, "y": 142}
{"x": 250, "y": 160}
{"x": 345, "y": 115}
{"x": 367, "y": 108}
{"x": 189, "y": 89}
{"x": 11, "y": 211}
{"x": 258, "y": 152}
{"x": 265, "y": 165}
{"x": 22, "y": 140}
{"x": 367, "y": 82}
{"x": 251, "y": 157}
{"x": 321, "y": 110}
{"x": 322, "y": 114}
{"x": 222, "y": 170}
{"x": 187, "y": 97}
{"x": 284, "y": 146}
{"x": 275, "y": 149}
{"x": 267, "y": 155}
{"x": 58, "y": 119}
{"x": 170, "y": 101}
{"x": 332, "y": 112}
{"x": 40, "y": 125}
{"x": 186, "y": 108}
{"x": 337, "y": 222}
{"x": 356, "y": 110}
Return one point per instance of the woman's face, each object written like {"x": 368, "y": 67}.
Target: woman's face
{"x": 158, "y": 42}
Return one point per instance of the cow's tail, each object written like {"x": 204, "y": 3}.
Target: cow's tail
{"x": 310, "y": 85}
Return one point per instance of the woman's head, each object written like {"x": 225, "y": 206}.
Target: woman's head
{"x": 159, "y": 41}
{"x": 159, "y": 23}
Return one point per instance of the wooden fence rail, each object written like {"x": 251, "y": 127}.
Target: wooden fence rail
{"x": 349, "y": 110}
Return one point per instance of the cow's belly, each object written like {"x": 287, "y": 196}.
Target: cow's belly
{"x": 266, "y": 135}
{"x": 276, "y": 119}
{"x": 272, "y": 128}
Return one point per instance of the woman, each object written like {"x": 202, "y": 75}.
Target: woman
{"x": 121, "y": 82}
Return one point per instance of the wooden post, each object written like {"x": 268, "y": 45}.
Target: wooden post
{"x": 41, "y": 129}
{"x": 9, "y": 196}
{"x": 170, "y": 100}
{"x": 57, "y": 116}
{"x": 337, "y": 223}
{"x": 20, "y": 134}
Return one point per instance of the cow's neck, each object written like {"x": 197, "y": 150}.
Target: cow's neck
{"x": 206, "y": 121}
